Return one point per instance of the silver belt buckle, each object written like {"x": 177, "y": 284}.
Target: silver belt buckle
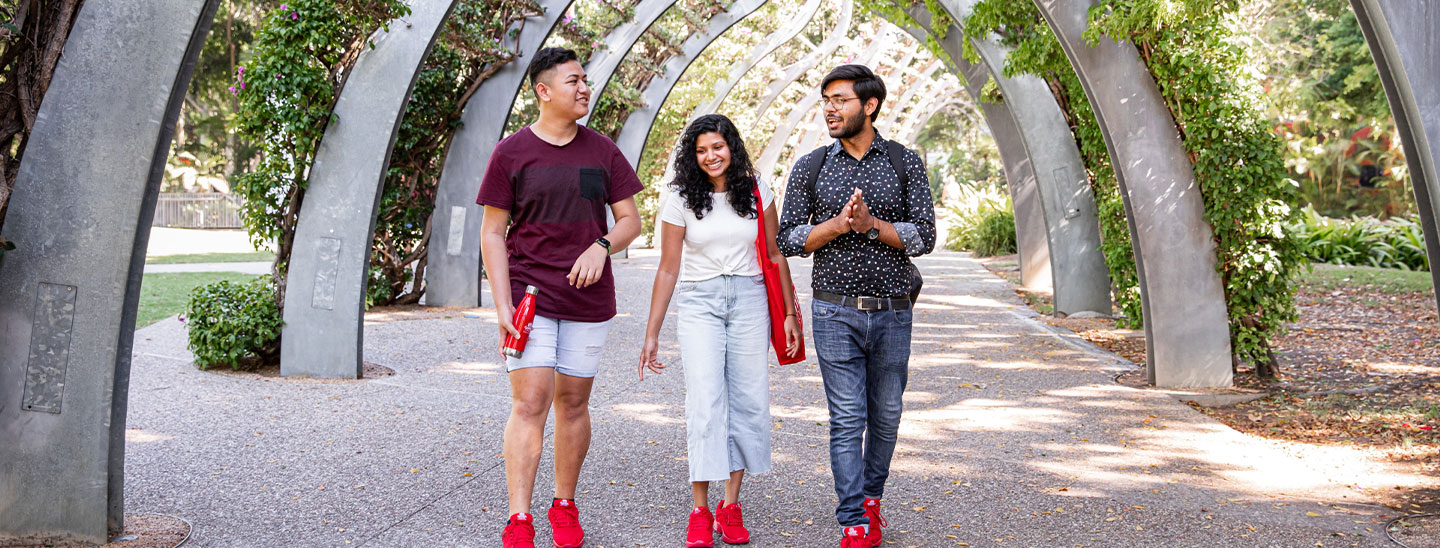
{"x": 869, "y": 304}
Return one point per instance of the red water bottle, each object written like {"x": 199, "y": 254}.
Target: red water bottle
{"x": 524, "y": 320}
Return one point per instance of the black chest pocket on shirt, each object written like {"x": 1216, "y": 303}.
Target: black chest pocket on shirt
{"x": 592, "y": 183}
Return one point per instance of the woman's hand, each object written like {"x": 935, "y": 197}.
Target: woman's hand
{"x": 648, "y": 356}
{"x": 793, "y": 335}
{"x": 505, "y": 316}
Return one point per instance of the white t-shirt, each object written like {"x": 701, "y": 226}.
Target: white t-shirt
{"x": 721, "y": 243}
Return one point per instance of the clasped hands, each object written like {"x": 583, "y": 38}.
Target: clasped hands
{"x": 855, "y": 216}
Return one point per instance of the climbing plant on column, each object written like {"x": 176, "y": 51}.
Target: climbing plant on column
{"x": 302, "y": 56}
{"x": 1191, "y": 52}
{"x": 479, "y": 38}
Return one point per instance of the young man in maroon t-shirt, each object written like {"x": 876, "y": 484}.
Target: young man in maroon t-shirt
{"x": 545, "y": 192}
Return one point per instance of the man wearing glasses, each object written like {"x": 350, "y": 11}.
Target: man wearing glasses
{"x": 862, "y": 205}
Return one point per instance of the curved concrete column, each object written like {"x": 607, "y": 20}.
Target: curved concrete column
{"x": 784, "y": 34}
{"x": 80, "y": 215}
{"x": 956, "y": 100}
{"x": 833, "y": 40}
{"x": 896, "y": 106}
{"x": 1034, "y": 247}
{"x": 329, "y": 269}
{"x": 601, "y": 68}
{"x": 1402, "y": 40}
{"x": 723, "y": 88}
{"x": 636, "y": 130}
{"x": 937, "y": 92}
{"x": 1077, "y": 264}
{"x": 805, "y": 108}
{"x": 1186, "y": 323}
{"x": 452, "y": 275}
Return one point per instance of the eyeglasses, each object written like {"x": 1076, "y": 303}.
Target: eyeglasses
{"x": 836, "y": 102}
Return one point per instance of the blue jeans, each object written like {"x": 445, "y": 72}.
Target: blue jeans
{"x": 724, "y": 330}
{"x": 864, "y": 360}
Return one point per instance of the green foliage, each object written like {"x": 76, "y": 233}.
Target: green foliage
{"x": 229, "y": 322}
{"x": 1362, "y": 241}
{"x": 1190, "y": 50}
{"x": 982, "y": 221}
{"x": 1328, "y": 105}
{"x": 287, "y": 95}
{"x": 206, "y": 151}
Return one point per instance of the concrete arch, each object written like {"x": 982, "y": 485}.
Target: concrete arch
{"x": 81, "y": 210}
{"x": 329, "y": 269}
{"x": 954, "y": 100}
{"x": 922, "y": 112}
{"x": 1034, "y": 247}
{"x": 636, "y": 130}
{"x": 723, "y": 88}
{"x": 601, "y": 69}
{"x": 1401, "y": 39}
{"x": 453, "y": 274}
{"x": 833, "y": 41}
{"x": 1186, "y": 323}
{"x": 806, "y": 108}
{"x": 922, "y": 82}
{"x": 1077, "y": 265}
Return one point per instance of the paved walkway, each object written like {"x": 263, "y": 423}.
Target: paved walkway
{"x": 1013, "y": 436}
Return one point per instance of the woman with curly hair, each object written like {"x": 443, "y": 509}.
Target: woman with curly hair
{"x": 724, "y": 317}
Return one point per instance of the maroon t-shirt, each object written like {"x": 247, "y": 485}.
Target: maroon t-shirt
{"x": 557, "y": 197}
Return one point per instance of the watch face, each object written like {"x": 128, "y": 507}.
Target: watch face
{"x": 872, "y": 233}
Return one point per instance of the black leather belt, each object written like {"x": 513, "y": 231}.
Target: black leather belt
{"x": 864, "y": 304}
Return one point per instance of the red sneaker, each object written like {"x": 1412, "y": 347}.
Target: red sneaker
{"x": 697, "y": 534}
{"x": 565, "y": 524}
{"x": 731, "y": 524}
{"x": 519, "y": 532}
{"x": 877, "y": 522}
{"x": 854, "y": 538}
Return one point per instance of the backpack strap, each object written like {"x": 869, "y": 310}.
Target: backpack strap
{"x": 812, "y": 172}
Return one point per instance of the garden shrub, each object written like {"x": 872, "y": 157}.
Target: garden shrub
{"x": 230, "y": 323}
{"x": 1362, "y": 241}
{"x": 983, "y": 222}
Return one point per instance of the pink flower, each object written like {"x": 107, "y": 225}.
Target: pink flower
{"x": 277, "y": 76}
{"x": 294, "y": 15}
{"x": 240, "y": 69}
{"x": 284, "y": 7}
{"x": 566, "y": 20}
{"x": 233, "y": 91}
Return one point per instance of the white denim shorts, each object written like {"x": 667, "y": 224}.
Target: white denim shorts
{"x": 570, "y": 348}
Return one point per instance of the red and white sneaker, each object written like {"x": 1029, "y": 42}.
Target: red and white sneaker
{"x": 877, "y": 521}
{"x": 731, "y": 524}
{"x": 565, "y": 528}
{"x": 519, "y": 532}
{"x": 697, "y": 533}
{"x": 854, "y": 537}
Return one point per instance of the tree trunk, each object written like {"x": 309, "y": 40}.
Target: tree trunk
{"x": 27, "y": 62}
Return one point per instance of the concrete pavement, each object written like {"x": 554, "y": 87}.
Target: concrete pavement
{"x": 1014, "y": 435}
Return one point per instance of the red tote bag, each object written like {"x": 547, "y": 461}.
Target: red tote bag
{"x": 775, "y": 294}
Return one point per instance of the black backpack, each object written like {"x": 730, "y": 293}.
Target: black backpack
{"x": 895, "y": 152}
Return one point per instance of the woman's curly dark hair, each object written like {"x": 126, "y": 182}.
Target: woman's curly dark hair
{"x": 693, "y": 184}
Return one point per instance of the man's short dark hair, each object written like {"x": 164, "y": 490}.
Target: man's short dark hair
{"x": 547, "y": 58}
{"x": 867, "y": 85}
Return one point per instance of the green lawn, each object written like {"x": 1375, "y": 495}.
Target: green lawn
{"x": 1383, "y": 280}
{"x": 212, "y": 258}
{"x": 164, "y": 295}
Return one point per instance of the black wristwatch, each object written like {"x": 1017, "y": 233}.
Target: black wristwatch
{"x": 603, "y": 243}
{"x": 872, "y": 233}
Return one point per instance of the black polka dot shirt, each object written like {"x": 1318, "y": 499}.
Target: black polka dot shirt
{"x": 853, "y": 264}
